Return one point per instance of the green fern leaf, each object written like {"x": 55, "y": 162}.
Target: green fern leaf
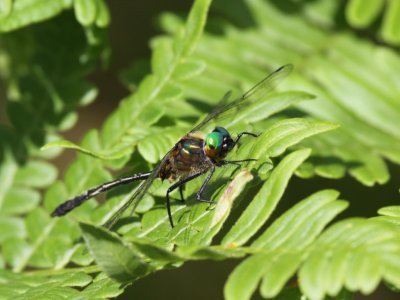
{"x": 117, "y": 260}
{"x": 17, "y": 14}
{"x": 62, "y": 286}
{"x": 390, "y": 214}
{"x": 263, "y": 204}
{"x": 282, "y": 247}
{"x": 355, "y": 254}
{"x": 362, "y": 14}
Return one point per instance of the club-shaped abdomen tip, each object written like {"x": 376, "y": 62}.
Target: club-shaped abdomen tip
{"x": 56, "y": 212}
{"x": 63, "y": 209}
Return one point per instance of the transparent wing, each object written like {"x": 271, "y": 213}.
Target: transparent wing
{"x": 138, "y": 195}
{"x": 257, "y": 92}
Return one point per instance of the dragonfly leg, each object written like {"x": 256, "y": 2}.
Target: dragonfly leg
{"x": 242, "y": 134}
{"x": 178, "y": 184}
{"x": 203, "y": 186}
{"x": 181, "y": 193}
{"x": 69, "y": 205}
{"x": 235, "y": 162}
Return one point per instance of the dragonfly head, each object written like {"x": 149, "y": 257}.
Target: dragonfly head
{"x": 218, "y": 143}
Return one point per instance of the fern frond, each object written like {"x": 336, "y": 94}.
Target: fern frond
{"x": 60, "y": 286}
{"x": 356, "y": 254}
{"x": 15, "y": 14}
{"x": 280, "y": 250}
{"x": 361, "y": 15}
{"x": 355, "y": 89}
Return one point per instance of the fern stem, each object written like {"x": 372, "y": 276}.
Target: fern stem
{"x": 50, "y": 272}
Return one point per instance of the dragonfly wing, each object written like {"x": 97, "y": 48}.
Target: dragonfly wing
{"x": 256, "y": 93}
{"x": 138, "y": 195}
{"x": 214, "y": 113}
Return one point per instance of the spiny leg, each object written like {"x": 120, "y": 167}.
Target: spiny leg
{"x": 173, "y": 187}
{"x": 69, "y": 205}
{"x": 181, "y": 193}
{"x": 203, "y": 186}
{"x": 242, "y": 134}
{"x": 235, "y": 162}
{"x": 222, "y": 163}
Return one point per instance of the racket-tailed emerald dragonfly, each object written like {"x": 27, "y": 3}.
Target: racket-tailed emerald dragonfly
{"x": 193, "y": 155}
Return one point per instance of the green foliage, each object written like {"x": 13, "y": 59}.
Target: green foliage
{"x": 117, "y": 260}
{"x": 343, "y": 119}
{"x": 265, "y": 201}
{"x": 280, "y": 250}
{"x": 361, "y": 14}
{"x": 15, "y": 14}
{"x": 355, "y": 253}
{"x": 70, "y": 145}
{"x": 44, "y": 92}
{"x": 61, "y": 286}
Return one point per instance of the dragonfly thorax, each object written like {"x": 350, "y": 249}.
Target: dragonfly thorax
{"x": 218, "y": 143}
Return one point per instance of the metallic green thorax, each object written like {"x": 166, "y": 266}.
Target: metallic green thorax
{"x": 191, "y": 151}
{"x": 186, "y": 157}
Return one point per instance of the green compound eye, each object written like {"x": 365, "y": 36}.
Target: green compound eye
{"x": 214, "y": 140}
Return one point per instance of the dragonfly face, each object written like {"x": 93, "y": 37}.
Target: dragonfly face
{"x": 218, "y": 144}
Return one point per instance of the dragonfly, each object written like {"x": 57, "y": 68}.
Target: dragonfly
{"x": 195, "y": 154}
